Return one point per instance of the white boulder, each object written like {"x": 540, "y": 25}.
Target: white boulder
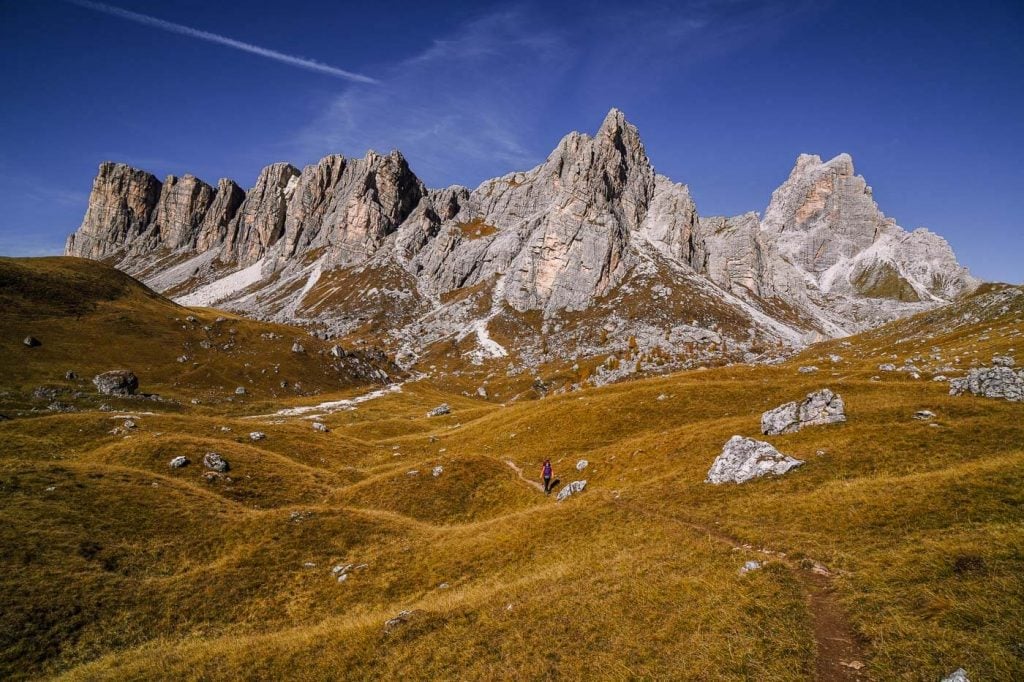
{"x": 744, "y": 459}
{"x": 570, "y": 490}
{"x": 819, "y": 407}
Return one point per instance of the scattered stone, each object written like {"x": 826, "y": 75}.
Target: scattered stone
{"x": 443, "y": 586}
{"x": 750, "y": 566}
{"x": 298, "y": 348}
{"x": 991, "y": 382}
{"x": 819, "y": 407}
{"x": 924, "y": 415}
{"x": 402, "y": 617}
{"x": 211, "y": 476}
{"x": 182, "y": 358}
{"x": 1002, "y": 361}
{"x": 834, "y": 359}
{"x": 321, "y": 427}
{"x": 958, "y": 675}
{"x": 661, "y": 397}
{"x": 212, "y": 460}
{"x": 58, "y": 406}
{"x": 482, "y": 392}
{"x": 297, "y": 516}
{"x": 32, "y": 342}
{"x": 70, "y": 375}
{"x": 257, "y": 435}
{"x": 941, "y": 377}
{"x": 441, "y": 409}
{"x": 337, "y": 352}
{"x": 582, "y": 464}
{"x": 744, "y": 459}
{"x": 240, "y": 390}
{"x": 45, "y": 393}
{"x": 807, "y": 370}
{"x": 887, "y": 367}
{"x": 191, "y": 318}
{"x": 570, "y": 490}
{"x": 309, "y": 564}
{"x": 437, "y": 471}
{"x": 852, "y": 665}
{"x": 116, "y": 382}
{"x": 413, "y": 472}
{"x": 179, "y": 461}
{"x": 129, "y": 423}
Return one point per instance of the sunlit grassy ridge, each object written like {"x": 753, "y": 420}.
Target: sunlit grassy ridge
{"x": 117, "y": 567}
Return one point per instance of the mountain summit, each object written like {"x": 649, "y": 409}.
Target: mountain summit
{"x": 589, "y": 253}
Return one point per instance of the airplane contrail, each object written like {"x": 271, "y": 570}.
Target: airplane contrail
{"x": 300, "y": 62}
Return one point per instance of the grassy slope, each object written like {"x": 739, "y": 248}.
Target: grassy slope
{"x": 117, "y": 567}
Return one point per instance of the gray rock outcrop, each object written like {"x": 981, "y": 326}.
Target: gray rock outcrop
{"x": 120, "y": 382}
{"x": 744, "y": 459}
{"x": 819, "y": 407}
{"x": 991, "y": 382}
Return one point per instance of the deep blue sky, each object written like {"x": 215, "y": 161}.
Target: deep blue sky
{"x": 928, "y": 98}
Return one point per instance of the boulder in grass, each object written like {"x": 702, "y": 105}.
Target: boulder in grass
{"x": 117, "y": 382}
{"x": 321, "y": 427}
{"x": 441, "y": 409}
{"x": 256, "y": 436}
{"x": 570, "y": 490}
{"x": 744, "y": 459}
{"x": 179, "y": 462}
{"x": 819, "y": 407}
{"x": 958, "y": 675}
{"x": 32, "y": 342}
{"x": 991, "y": 382}
{"x": 212, "y": 460}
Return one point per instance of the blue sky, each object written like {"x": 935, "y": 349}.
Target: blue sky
{"x": 927, "y": 97}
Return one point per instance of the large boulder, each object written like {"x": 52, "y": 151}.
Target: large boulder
{"x": 117, "y": 382}
{"x": 991, "y": 382}
{"x": 819, "y": 407}
{"x": 744, "y": 459}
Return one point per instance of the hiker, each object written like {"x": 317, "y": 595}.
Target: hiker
{"x": 546, "y": 475}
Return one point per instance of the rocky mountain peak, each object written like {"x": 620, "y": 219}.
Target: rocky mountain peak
{"x": 346, "y": 240}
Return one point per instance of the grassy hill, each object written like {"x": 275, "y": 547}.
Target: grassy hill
{"x": 895, "y": 552}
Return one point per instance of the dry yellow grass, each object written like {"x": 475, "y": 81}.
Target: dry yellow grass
{"x": 117, "y": 567}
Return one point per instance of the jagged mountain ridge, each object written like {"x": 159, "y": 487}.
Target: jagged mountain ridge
{"x": 608, "y": 252}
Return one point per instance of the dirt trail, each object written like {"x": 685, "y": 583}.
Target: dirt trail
{"x": 839, "y": 654}
{"x": 519, "y": 473}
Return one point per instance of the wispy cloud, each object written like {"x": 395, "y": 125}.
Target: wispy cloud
{"x": 455, "y": 110}
{"x": 171, "y": 27}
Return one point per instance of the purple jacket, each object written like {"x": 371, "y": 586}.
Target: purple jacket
{"x": 547, "y": 470}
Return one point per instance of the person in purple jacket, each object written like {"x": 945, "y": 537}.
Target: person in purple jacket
{"x": 546, "y": 475}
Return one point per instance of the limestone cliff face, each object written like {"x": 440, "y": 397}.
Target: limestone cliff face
{"x": 180, "y": 211}
{"x": 582, "y": 225}
{"x": 214, "y": 228}
{"x": 735, "y": 254}
{"x": 260, "y": 219}
{"x": 120, "y": 207}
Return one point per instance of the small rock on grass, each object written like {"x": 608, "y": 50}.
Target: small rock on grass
{"x": 750, "y": 566}
{"x": 213, "y": 460}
